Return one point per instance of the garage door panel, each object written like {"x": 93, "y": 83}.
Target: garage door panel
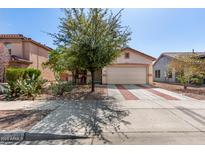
{"x": 126, "y": 75}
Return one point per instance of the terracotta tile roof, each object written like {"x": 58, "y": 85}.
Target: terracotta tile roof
{"x": 11, "y": 36}
{"x": 20, "y": 36}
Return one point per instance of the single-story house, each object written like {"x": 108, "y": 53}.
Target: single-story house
{"x": 161, "y": 70}
{"x": 17, "y": 50}
{"x": 131, "y": 67}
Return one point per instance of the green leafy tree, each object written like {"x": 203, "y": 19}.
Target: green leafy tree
{"x": 55, "y": 62}
{"x": 61, "y": 60}
{"x": 95, "y": 37}
{"x": 72, "y": 62}
{"x": 188, "y": 68}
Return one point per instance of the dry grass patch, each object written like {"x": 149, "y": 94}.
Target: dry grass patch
{"x": 83, "y": 92}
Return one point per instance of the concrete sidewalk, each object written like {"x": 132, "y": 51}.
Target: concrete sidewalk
{"x": 30, "y": 105}
{"x": 126, "y": 122}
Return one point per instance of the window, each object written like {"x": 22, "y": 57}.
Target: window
{"x": 127, "y": 55}
{"x": 157, "y": 73}
{"x": 169, "y": 74}
{"x": 8, "y": 46}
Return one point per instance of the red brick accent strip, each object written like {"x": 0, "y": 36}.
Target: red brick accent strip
{"x": 167, "y": 97}
{"x": 125, "y": 93}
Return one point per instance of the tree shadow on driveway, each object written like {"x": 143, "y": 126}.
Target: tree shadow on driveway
{"x": 88, "y": 118}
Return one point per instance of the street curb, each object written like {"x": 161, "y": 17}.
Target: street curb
{"x": 26, "y": 136}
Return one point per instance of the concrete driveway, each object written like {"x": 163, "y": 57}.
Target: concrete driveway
{"x": 142, "y": 92}
{"x": 132, "y": 115}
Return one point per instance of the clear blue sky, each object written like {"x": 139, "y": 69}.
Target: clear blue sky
{"x": 153, "y": 30}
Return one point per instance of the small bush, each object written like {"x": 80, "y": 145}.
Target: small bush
{"x": 197, "y": 81}
{"x": 29, "y": 72}
{"x": 12, "y": 91}
{"x": 2, "y": 88}
{"x": 30, "y": 87}
{"x": 12, "y": 74}
{"x": 182, "y": 79}
{"x": 60, "y": 87}
{"x": 25, "y": 88}
{"x": 23, "y": 82}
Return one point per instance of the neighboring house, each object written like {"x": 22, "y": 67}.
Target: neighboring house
{"x": 161, "y": 70}
{"x": 23, "y": 52}
{"x": 131, "y": 67}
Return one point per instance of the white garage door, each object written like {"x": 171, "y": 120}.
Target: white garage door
{"x": 126, "y": 75}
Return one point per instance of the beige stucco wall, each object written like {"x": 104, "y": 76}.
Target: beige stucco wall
{"x": 26, "y": 53}
{"x": 134, "y": 58}
{"x": 16, "y": 46}
{"x": 38, "y": 56}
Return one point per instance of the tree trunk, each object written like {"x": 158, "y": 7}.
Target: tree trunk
{"x": 185, "y": 87}
{"x": 92, "y": 80}
{"x": 73, "y": 78}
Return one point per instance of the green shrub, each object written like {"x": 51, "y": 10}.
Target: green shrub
{"x": 12, "y": 74}
{"x": 23, "y": 82}
{"x": 197, "y": 81}
{"x": 182, "y": 79}
{"x": 28, "y": 87}
{"x": 60, "y": 87}
{"x": 12, "y": 91}
{"x": 29, "y": 72}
